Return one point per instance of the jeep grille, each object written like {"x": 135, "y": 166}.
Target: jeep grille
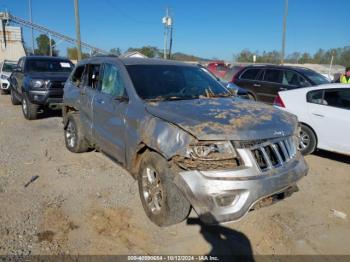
{"x": 274, "y": 153}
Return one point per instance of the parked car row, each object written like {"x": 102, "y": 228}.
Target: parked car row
{"x": 324, "y": 114}
{"x": 187, "y": 140}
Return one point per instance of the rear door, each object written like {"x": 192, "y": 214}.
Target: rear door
{"x": 330, "y": 114}
{"x": 87, "y": 95}
{"x": 271, "y": 82}
{"x": 110, "y": 106}
{"x": 248, "y": 80}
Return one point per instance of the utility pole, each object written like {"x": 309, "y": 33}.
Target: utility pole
{"x": 284, "y": 31}
{"x": 77, "y": 28}
{"x": 31, "y": 20}
{"x": 168, "y": 23}
{"x": 50, "y": 43}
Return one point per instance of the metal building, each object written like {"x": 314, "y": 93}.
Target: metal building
{"x": 11, "y": 43}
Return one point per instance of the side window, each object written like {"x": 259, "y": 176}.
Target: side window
{"x": 315, "y": 97}
{"x": 338, "y": 98}
{"x": 250, "y": 74}
{"x": 92, "y": 76}
{"x": 112, "y": 82}
{"x": 77, "y": 76}
{"x": 290, "y": 78}
{"x": 273, "y": 75}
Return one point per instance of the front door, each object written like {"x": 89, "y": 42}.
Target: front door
{"x": 110, "y": 106}
{"x": 330, "y": 114}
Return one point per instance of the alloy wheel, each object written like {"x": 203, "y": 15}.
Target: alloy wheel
{"x": 71, "y": 135}
{"x": 304, "y": 140}
{"x": 152, "y": 190}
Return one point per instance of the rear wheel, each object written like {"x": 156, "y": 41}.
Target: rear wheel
{"x": 307, "y": 140}
{"x": 14, "y": 99}
{"x": 74, "y": 135}
{"x": 163, "y": 202}
{"x": 251, "y": 97}
{"x": 30, "y": 110}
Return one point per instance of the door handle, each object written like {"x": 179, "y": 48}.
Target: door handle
{"x": 282, "y": 89}
{"x": 318, "y": 115}
{"x": 257, "y": 85}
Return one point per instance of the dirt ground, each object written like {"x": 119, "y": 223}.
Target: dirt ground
{"x": 86, "y": 204}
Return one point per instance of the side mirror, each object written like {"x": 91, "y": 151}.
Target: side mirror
{"x": 17, "y": 69}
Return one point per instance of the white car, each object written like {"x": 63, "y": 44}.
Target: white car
{"x": 6, "y": 68}
{"x": 324, "y": 114}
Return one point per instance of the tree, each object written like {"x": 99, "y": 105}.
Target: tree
{"x": 72, "y": 54}
{"x": 115, "y": 51}
{"x": 149, "y": 51}
{"x": 305, "y": 58}
{"x": 43, "y": 44}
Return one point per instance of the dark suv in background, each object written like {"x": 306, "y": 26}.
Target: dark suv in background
{"x": 37, "y": 83}
{"x": 263, "y": 82}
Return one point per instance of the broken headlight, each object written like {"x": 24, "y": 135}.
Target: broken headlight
{"x": 212, "y": 151}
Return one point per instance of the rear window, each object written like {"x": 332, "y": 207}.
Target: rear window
{"x": 250, "y": 74}
{"x": 315, "y": 77}
{"x": 42, "y": 65}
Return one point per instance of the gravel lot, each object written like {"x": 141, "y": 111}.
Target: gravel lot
{"x": 86, "y": 204}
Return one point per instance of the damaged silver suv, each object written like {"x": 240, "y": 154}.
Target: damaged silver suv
{"x": 183, "y": 136}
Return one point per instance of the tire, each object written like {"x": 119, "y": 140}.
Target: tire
{"x": 74, "y": 134}
{"x": 170, "y": 206}
{"x": 30, "y": 110}
{"x": 307, "y": 140}
{"x": 251, "y": 97}
{"x": 14, "y": 100}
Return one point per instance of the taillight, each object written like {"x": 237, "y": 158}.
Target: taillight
{"x": 278, "y": 101}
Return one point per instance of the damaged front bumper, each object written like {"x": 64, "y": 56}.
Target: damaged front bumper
{"x": 227, "y": 195}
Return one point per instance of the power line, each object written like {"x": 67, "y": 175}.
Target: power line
{"x": 125, "y": 14}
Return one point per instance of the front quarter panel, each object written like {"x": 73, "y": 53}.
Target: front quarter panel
{"x": 143, "y": 129}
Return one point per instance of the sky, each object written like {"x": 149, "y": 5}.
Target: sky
{"x": 205, "y": 28}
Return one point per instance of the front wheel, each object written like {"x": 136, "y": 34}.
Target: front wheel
{"x": 14, "y": 99}
{"x": 163, "y": 202}
{"x": 30, "y": 110}
{"x": 307, "y": 140}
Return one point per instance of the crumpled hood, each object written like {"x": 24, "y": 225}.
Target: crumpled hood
{"x": 225, "y": 118}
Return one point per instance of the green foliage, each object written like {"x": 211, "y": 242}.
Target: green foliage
{"x": 341, "y": 57}
{"x": 149, "y": 51}
{"x": 115, "y": 51}
{"x": 185, "y": 57}
{"x": 72, "y": 54}
{"x": 43, "y": 44}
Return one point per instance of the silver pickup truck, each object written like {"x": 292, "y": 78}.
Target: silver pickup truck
{"x": 183, "y": 136}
